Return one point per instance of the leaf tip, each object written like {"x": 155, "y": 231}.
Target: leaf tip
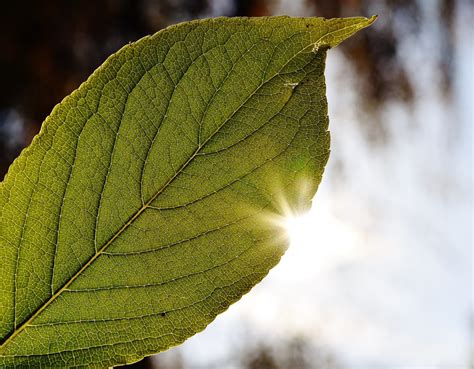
{"x": 341, "y": 29}
{"x": 372, "y": 19}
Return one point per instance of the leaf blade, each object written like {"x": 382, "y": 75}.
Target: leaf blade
{"x": 176, "y": 95}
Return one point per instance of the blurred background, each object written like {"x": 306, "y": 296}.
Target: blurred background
{"x": 379, "y": 272}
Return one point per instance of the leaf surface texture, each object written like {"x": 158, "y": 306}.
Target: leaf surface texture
{"x": 144, "y": 206}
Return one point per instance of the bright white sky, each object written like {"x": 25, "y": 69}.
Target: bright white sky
{"x": 380, "y": 270}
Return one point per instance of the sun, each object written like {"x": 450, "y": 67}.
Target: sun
{"x": 320, "y": 240}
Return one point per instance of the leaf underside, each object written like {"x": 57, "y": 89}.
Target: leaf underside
{"x": 146, "y": 204}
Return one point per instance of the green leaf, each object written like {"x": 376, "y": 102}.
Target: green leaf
{"x": 149, "y": 202}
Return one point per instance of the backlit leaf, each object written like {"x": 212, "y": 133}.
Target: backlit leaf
{"x": 150, "y": 200}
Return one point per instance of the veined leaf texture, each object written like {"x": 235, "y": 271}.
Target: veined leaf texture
{"x": 144, "y": 207}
